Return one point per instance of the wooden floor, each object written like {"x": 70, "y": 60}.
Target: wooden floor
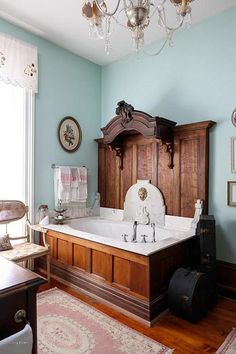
{"x": 204, "y": 337}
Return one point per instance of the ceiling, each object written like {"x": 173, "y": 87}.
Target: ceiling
{"x": 62, "y": 23}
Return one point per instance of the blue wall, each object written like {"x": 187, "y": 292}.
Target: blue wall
{"x": 68, "y": 85}
{"x": 194, "y": 81}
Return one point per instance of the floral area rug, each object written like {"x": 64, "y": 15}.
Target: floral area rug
{"x": 66, "y": 325}
{"x": 229, "y": 345}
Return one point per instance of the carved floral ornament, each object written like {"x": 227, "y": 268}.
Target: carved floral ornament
{"x": 22, "y": 72}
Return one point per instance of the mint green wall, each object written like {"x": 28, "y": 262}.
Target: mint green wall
{"x": 194, "y": 81}
{"x": 68, "y": 85}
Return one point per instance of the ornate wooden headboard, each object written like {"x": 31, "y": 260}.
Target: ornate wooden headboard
{"x": 127, "y": 153}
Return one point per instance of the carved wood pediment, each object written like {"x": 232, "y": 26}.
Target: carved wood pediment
{"x": 130, "y": 121}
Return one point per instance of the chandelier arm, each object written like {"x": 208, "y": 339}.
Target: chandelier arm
{"x": 105, "y": 12}
{"x": 117, "y": 21}
{"x": 155, "y": 10}
{"x": 162, "y": 3}
{"x": 158, "y": 52}
{"x": 172, "y": 29}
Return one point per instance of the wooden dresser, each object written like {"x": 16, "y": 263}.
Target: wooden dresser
{"x": 18, "y": 288}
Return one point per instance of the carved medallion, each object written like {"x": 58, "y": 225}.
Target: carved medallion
{"x": 142, "y": 193}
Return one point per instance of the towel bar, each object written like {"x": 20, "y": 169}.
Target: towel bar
{"x": 56, "y": 166}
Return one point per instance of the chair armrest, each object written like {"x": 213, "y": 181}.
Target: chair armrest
{"x": 39, "y": 229}
{"x": 35, "y": 227}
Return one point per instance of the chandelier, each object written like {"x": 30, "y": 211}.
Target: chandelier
{"x": 138, "y": 14}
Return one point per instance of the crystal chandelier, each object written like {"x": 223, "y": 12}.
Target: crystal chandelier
{"x": 138, "y": 14}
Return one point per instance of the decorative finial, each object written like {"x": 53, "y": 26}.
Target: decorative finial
{"x": 125, "y": 111}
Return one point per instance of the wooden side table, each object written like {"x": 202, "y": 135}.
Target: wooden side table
{"x": 18, "y": 288}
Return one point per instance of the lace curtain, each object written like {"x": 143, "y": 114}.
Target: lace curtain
{"x": 18, "y": 63}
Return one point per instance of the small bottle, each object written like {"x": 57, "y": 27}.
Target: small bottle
{"x": 43, "y": 215}
{"x": 95, "y": 210}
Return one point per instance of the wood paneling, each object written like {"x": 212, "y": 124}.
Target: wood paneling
{"x": 139, "y": 279}
{"x": 144, "y": 161}
{"x": 146, "y": 158}
{"x": 135, "y": 282}
{"x": 165, "y": 179}
{"x": 226, "y": 276}
{"x": 112, "y": 188}
{"x": 62, "y": 251}
{"x": 188, "y": 174}
{"x": 79, "y": 256}
{"x": 126, "y": 176}
{"x": 51, "y": 242}
{"x": 121, "y": 272}
{"x": 99, "y": 263}
{"x": 97, "y": 246}
{"x": 191, "y": 160}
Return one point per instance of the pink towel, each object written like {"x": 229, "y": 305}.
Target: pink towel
{"x": 65, "y": 175}
{"x": 82, "y": 174}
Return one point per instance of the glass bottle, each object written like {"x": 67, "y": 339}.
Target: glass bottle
{"x": 43, "y": 215}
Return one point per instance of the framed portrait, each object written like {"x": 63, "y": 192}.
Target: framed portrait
{"x": 231, "y": 187}
{"x": 233, "y": 154}
{"x": 69, "y": 134}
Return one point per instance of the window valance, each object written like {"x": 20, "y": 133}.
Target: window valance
{"x": 18, "y": 63}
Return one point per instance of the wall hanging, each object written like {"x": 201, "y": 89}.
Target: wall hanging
{"x": 69, "y": 134}
{"x": 233, "y": 117}
{"x": 233, "y": 154}
{"x": 231, "y": 191}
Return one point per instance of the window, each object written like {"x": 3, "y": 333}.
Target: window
{"x": 16, "y": 146}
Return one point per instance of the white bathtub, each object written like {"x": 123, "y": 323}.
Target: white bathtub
{"x": 109, "y": 232}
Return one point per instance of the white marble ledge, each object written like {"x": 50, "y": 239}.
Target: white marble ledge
{"x": 165, "y": 237}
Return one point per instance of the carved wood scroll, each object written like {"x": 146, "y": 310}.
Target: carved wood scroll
{"x": 130, "y": 121}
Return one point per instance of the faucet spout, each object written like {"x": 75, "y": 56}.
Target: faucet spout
{"x": 134, "y": 236}
{"x": 153, "y": 232}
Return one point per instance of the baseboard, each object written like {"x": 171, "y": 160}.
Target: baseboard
{"x": 226, "y": 278}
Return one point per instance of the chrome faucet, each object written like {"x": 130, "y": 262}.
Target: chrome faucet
{"x": 153, "y": 232}
{"x": 134, "y": 236}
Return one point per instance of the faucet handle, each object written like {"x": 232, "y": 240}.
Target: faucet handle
{"x": 144, "y": 238}
{"x": 125, "y": 237}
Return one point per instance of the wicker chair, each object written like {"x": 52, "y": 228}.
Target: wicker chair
{"x": 12, "y": 210}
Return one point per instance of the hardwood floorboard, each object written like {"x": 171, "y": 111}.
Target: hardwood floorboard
{"x": 186, "y": 338}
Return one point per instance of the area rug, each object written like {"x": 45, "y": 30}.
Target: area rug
{"x": 229, "y": 345}
{"x": 66, "y": 325}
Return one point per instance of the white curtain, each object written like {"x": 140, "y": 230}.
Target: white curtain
{"x": 18, "y": 63}
{"x": 17, "y": 148}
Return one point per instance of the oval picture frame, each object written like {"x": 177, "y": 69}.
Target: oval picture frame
{"x": 69, "y": 134}
{"x": 233, "y": 117}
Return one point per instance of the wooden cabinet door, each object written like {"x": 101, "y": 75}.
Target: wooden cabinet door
{"x": 191, "y": 167}
{"x": 108, "y": 177}
{"x": 139, "y": 162}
